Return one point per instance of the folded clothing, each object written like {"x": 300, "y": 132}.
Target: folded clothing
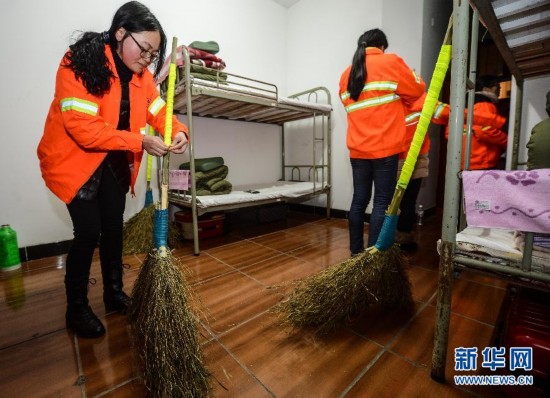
{"x": 541, "y": 242}
{"x": 217, "y": 186}
{"x": 204, "y": 164}
{"x": 203, "y": 58}
{"x": 210, "y": 176}
{"x": 498, "y": 246}
{"x": 209, "y": 46}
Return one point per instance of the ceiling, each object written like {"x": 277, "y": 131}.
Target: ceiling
{"x": 521, "y": 31}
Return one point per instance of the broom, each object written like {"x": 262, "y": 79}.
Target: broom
{"x": 137, "y": 232}
{"x": 148, "y": 190}
{"x": 163, "y": 325}
{"x": 377, "y": 275}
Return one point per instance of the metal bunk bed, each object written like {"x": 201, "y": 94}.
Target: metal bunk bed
{"x": 233, "y": 97}
{"x": 521, "y": 31}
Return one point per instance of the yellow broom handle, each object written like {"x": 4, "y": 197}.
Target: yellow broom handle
{"x": 150, "y": 131}
{"x": 168, "y": 124}
{"x": 170, "y": 94}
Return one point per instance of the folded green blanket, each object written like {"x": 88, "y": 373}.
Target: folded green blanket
{"x": 202, "y": 178}
{"x": 199, "y": 69}
{"x": 218, "y": 187}
{"x": 204, "y": 164}
{"x": 213, "y": 182}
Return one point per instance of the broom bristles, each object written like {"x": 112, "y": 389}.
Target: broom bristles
{"x": 165, "y": 332}
{"x": 343, "y": 291}
{"x": 137, "y": 233}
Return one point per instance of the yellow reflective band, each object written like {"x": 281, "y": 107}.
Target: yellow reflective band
{"x": 416, "y": 77}
{"x": 485, "y": 128}
{"x": 412, "y": 116}
{"x": 156, "y": 106}
{"x": 382, "y": 100}
{"x": 79, "y": 105}
{"x": 381, "y": 85}
{"x": 439, "y": 108}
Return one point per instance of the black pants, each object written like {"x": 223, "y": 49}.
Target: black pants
{"x": 407, "y": 218}
{"x": 97, "y": 220}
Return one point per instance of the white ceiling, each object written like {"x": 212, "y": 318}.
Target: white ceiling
{"x": 286, "y": 3}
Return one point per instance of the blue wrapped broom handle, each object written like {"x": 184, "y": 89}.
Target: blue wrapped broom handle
{"x": 161, "y": 223}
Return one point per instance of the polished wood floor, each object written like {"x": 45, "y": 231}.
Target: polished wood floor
{"x": 383, "y": 354}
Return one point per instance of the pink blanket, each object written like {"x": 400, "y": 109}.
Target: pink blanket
{"x": 518, "y": 200}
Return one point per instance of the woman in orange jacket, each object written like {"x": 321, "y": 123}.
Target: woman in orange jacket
{"x": 372, "y": 89}
{"x": 93, "y": 143}
{"x": 488, "y": 140}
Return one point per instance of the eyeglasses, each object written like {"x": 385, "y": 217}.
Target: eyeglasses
{"x": 150, "y": 56}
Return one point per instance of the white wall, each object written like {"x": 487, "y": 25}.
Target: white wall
{"x": 252, "y": 39}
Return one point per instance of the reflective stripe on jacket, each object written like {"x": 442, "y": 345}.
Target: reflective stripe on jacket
{"x": 376, "y": 127}
{"x": 80, "y": 128}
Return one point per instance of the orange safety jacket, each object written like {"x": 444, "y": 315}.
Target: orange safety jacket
{"x": 488, "y": 141}
{"x": 376, "y": 127}
{"x": 80, "y": 128}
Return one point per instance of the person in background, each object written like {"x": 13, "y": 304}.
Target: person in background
{"x": 488, "y": 141}
{"x": 372, "y": 90}
{"x": 538, "y": 147}
{"x": 93, "y": 143}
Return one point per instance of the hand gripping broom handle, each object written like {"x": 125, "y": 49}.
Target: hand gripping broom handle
{"x": 161, "y": 214}
{"x": 387, "y": 234}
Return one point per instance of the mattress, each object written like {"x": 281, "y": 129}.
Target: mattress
{"x": 255, "y": 192}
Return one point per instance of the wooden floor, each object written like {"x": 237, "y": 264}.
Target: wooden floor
{"x": 384, "y": 354}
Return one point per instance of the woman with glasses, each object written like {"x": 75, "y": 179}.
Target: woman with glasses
{"x": 93, "y": 142}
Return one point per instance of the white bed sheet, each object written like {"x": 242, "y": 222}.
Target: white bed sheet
{"x": 264, "y": 191}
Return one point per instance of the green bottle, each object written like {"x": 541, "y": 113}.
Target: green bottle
{"x": 9, "y": 250}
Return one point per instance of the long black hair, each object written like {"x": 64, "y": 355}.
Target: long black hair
{"x": 358, "y": 73}
{"x": 87, "y": 56}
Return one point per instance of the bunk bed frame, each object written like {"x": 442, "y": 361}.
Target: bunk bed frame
{"x": 516, "y": 27}
{"x": 234, "y": 97}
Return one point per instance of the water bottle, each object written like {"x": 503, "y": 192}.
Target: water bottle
{"x": 419, "y": 214}
{"x": 9, "y": 250}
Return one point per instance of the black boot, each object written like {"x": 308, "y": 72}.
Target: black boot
{"x": 79, "y": 316}
{"x": 114, "y": 298}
